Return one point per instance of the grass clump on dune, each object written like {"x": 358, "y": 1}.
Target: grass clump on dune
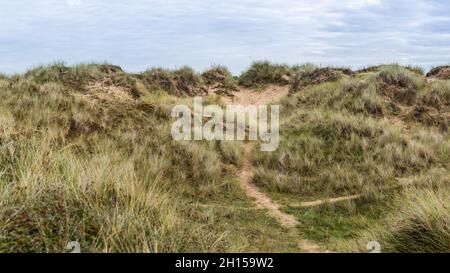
{"x": 80, "y": 78}
{"x": 264, "y": 73}
{"x": 393, "y": 92}
{"x": 440, "y": 72}
{"x": 436, "y": 95}
{"x": 220, "y": 78}
{"x": 217, "y": 74}
{"x": 415, "y": 69}
{"x": 310, "y": 75}
{"x": 353, "y": 95}
{"x": 183, "y": 81}
{"x": 399, "y": 84}
{"x": 419, "y": 222}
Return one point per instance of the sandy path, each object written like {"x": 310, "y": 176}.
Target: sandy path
{"x": 245, "y": 96}
{"x": 325, "y": 201}
{"x": 261, "y": 199}
{"x": 250, "y": 97}
{"x": 264, "y": 201}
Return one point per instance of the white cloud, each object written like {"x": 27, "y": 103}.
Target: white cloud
{"x": 73, "y": 3}
{"x": 361, "y": 3}
{"x": 142, "y": 33}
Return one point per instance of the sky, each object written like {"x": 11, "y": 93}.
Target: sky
{"x": 140, "y": 34}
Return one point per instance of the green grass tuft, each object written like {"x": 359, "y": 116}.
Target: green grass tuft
{"x": 264, "y": 73}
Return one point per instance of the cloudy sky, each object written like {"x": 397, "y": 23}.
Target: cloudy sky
{"x": 138, "y": 34}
